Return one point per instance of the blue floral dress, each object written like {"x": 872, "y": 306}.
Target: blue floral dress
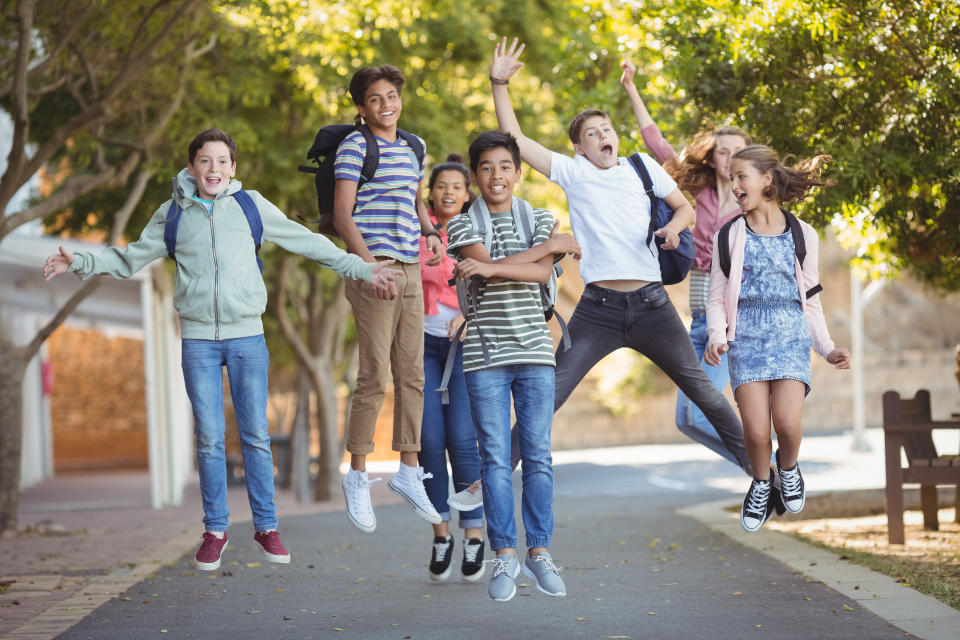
{"x": 772, "y": 339}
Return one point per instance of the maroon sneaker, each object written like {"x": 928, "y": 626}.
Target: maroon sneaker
{"x": 273, "y": 549}
{"x": 208, "y": 556}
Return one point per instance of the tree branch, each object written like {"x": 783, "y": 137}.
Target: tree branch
{"x": 122, "y": 215}
{"x": 290, "y": 334}
{"x": 78, "y": 296}
{"x": 16, "y": 159}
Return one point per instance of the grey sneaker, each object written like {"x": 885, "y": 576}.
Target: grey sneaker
{"x": 503, "y": 584}
{"x": 468, "y": 499}
{"x": 408, "y": 484}
{"x": 541, "y": 568}
{"x": 356, "y": 490}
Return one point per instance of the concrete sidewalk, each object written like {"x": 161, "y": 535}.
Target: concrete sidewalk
{"x": 99, "y": 562}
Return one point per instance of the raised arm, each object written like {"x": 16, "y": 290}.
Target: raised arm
{"x": 506, "y": 62}
{"x": 652, "y": 137}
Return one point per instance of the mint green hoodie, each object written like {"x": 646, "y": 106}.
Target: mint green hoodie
{"x": 219, "y": 290}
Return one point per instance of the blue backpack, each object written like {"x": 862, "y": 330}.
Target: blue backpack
{"x": 674, "y": 264}
{"x": 250, "y": 212}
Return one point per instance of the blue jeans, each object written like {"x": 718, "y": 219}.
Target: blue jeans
{"x": 532, "y": 388}
{"x": 447, "y": 428}
{"x": 247, "y": 362}
{"x": 690, "y": 419}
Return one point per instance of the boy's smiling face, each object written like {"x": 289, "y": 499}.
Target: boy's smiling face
{"x": 212, "y": 167}
{"x": 381, "y": 106}
{"x": 598, "y": 142}
{"x": 496, "y": 176}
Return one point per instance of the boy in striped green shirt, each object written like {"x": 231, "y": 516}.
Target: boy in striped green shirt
{"x": 519, "y": 360}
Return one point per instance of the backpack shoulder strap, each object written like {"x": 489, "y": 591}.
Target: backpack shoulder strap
{"x": 252, "y": 214}
{"x": 170, "y": 229}
{"x": 525, "y": 224}
{"x": 641, "y": 170}
{"x": 371, "y": 160}
{"x": 478, "y": 218}
{"x": 800, "y": 248}
{"x": 415, "y": 144}
{"x": 723, "y": 245}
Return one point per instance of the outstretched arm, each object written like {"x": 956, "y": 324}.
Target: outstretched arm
{"x": 506, "y": 62}
{"x": 652, "y": 137}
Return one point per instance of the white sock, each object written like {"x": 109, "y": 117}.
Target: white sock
{"x": 407, "y": 469}
{"x": 219, "y": 534}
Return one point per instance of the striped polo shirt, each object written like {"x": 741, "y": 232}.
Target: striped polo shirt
{"x": 386, "y": 211}
{"x": 510, "y": 313}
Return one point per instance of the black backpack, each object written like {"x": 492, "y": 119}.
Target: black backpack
{"x": 324, "y": 153}
{"x": 799, "y": 246}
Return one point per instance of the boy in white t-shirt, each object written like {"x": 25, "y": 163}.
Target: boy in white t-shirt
{"x": 624, "y": 303}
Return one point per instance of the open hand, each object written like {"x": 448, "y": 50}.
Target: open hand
{"x": 714, "y": 350}
{"x": 506, "y": 61}
{"x": 56, "y": 264}
{"x": 671, "y": 237}
{"x": 382, "y": 280}
{"x": 629, "y": 71}
{"x": 840, "y": 358}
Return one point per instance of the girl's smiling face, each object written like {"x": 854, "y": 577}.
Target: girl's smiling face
{"x": 448, "y": 194}
{"x": 748, "y": 184}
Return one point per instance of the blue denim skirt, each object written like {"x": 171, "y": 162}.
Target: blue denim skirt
{"x": 773, "y": 342}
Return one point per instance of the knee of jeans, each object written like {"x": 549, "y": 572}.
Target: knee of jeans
{"x": 208, "y": 444}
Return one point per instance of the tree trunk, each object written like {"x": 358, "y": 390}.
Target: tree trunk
{"x": 328, "y": 475}
{"x": 300, "y": 441}
{"x": 12, "y": 370}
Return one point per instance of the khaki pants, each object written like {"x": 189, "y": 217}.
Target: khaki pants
{"x": 389, "y": 336}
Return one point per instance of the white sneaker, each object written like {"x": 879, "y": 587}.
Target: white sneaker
{"x": 408, "y": 484}
{"x": 356, "y": 490}
{"x": 468, "y": 499}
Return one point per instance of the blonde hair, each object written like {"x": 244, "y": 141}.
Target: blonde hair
{"x": 789, "y": 183}
{"x": 692, "y": 169}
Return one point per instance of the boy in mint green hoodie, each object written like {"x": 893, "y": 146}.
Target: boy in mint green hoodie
{"x": 220, "y": 298}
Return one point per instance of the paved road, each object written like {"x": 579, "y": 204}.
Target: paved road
{"x": 633, "y": 568}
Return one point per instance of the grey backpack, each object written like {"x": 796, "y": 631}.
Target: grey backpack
{"x": 468, "y": 291}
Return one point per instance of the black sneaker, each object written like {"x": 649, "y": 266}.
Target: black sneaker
{"x": 791, "y": 486}
{"x": 472, "y": 568}
{"x": 758, "y": 504}
{"x": 440, "y": 558}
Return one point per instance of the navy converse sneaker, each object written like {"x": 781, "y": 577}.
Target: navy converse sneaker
{"x": 758, "y": 504}
{"x": 440, "y": 558}
{"x": 472, "y": 568}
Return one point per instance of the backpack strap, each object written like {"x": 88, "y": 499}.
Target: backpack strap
{"x": 526, "y": 221}
{"x": 415, "y": 144}
{"x": 371, "y": 160}
{"x": 800, "y": 248}
{"x": 170, "y": 229}
{"x": 252, "y": 214}
{"x": 641, "y": 170}
{"x": 448, "y": 367}
{"x": 723, "y": 244}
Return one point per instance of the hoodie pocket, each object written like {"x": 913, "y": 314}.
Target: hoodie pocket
{"x": 243, "y": 296}
{"x": 193, "y": 298}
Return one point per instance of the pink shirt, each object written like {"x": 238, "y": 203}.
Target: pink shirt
{"x": 435, "y": 279}
{"x": 708, "y": 202}
{"x": 725, "y": 293}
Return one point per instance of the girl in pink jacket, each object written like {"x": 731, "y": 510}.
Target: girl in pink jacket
{"x": 763, "y": 308}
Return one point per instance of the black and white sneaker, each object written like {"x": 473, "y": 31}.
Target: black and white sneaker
{"x": 758, "y": 504}
{"x": 440, "y": 558}
{"x": 472, "y": 568}
{"x": 791, "y": 487}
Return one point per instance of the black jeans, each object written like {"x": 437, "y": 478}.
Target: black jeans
{"x": 644, "y": 320}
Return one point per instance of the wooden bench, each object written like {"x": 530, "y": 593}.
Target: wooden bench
{"x": 908, "y": 427}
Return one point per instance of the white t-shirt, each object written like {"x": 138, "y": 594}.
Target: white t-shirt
{"x": 610, "y": 215}
{"x": 436, "y": 325}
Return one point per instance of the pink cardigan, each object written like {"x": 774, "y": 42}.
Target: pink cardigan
{"x": 725, "y": 293}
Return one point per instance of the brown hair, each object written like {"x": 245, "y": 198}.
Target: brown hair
{"x": 211, "y": 135}
{"x": 491, "y": 140}
{"x": 692, "y": 169}
{"x": 366, "y": 76}
{"x": 789, "y": 183}
{"x": 454, "y": 162}
{"x": 577, "y": 123}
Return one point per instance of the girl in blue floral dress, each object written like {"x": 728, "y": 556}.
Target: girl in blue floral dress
{"x": 766, "y": 312}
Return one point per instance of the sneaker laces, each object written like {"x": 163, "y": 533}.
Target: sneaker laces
{"x": 418, "y": 487}
{"x": 473, "y": 488}
{"x": 360, "y": 500}
{"x": 759, "y": 494}
{"x": 440, "y": 549}
{"x": 548, "y": 564}
{"x": 790, "y": 481}
{"x": 470, "y": 551}
{"x": 499, "y": 566}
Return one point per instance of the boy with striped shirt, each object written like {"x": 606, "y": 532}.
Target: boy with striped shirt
{"x": 382, "y": 220}
{"x": 518, "y": 359}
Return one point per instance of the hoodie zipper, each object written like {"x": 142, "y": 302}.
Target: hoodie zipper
{"x": 216, "y": 275}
